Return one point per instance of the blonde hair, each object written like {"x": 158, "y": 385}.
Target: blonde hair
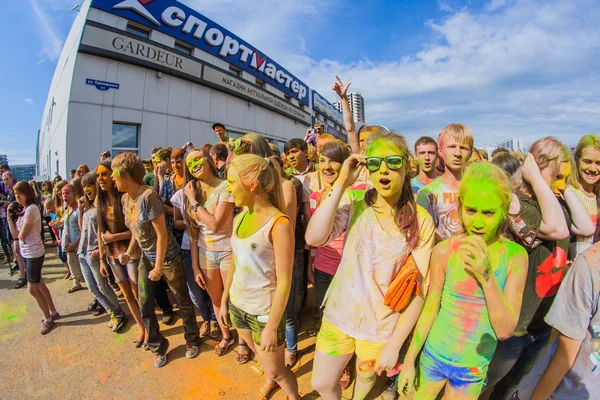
{"x": 49, "y": 203}
{"x": 586, "y": 141}
{"x": 253, "y": 143}
{"x": 548, "y": 152}
{"x": 312, "y": 155}
{"x": 247, "y": 168}
{"x": 459, "y": 132}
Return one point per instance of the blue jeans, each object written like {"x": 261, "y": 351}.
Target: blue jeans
{"x": 295, "y": 301}
{"x": 513, "y": 359}
{"x": 4, "y": 237}
{"x": 198, "y": 295}
{"x": 98, "y": 285}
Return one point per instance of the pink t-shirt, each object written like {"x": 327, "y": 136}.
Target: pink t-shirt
{"x": 32, "y": 246}
{"x": 328, "y": 257}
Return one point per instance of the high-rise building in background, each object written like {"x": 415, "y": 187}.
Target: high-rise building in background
{"x": 24, "y": 172}
{"x": 357, "y": 105}
{"x": 515, "y": 143}
{"x": 3, "y": 159}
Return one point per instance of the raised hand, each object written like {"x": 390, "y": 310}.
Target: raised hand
{"x": 339, "y": 88}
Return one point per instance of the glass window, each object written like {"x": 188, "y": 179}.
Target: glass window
{"x": 124, "y": 138}
{"x": 261, "y": 83}
{"x": 288, "y": 98}
{"x": 137, "y": 30}
{"x": 184, "y": 48}
{"x": 235, "y": 70}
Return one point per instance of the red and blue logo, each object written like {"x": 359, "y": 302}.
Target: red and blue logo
{"x": 138, "y": 7}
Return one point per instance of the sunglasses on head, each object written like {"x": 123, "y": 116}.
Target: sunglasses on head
{"x": 241, "y": 141}
{"x": 393, "y": 162}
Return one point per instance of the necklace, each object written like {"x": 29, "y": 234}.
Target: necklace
{"x": 132, "y": 203}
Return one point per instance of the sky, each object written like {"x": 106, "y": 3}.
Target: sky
{"x": 503, "y": 67}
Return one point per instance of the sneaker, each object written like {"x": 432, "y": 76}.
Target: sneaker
{"x": 111, "y": 322}
{"x": 168, "y": 318}
{"x": 215, "y": 330}
{"x": 47, "y": 326}
{"x": 160, "y": 360}
{"x": 191, "y": 351}
{"x": 204, "y": 328}
{"x": 120, "y": 322}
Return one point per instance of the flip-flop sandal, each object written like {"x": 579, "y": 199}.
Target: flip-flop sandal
{"x": 220, "y": 351}
{"x": 243, "y": 358}
{"x": 294, "y": 361}
{"x": 74, "y": 289}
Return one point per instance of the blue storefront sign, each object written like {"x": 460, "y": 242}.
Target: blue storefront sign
{"x": 101, "y": 85}
{"x": 183, "y": 23}
{"x": 326, "y": 109}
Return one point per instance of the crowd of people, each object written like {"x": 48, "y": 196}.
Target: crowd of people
{"x": 444, "y": 268}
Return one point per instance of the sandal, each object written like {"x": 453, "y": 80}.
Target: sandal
{"x": 220, "y": 351}
{"x": 20, "y": 283}
{"x": 293, "y": 358}
{"x": 93, "y": 305}
{"x": 265, "y": 392}
{"x": 74, "y": 289}
{"x": 243, "y": 358}
{"x": 99, "y": 311}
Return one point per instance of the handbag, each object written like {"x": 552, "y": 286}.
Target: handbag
{"x": 406, "y": 283}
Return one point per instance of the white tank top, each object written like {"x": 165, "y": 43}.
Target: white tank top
{"x": 254, "y": 280}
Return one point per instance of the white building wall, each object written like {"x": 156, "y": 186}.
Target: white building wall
{"x": 52, "y": 140}
{"x": 169, "y": 110}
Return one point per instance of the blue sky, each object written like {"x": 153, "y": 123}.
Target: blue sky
{"x": 504, "y": 67}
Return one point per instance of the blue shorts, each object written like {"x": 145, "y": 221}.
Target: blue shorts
{"x": 467, "y": 380}
{"x": 61, "y": 254}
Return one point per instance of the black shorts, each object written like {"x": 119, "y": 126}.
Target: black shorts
{"x": 33, "y": 266}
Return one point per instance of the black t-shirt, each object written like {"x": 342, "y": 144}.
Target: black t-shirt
{"x": 299, "y": 241}
{"x": 546, "y": 268}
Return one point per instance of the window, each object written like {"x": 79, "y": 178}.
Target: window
{"x": 137, "y": 30}
{"x": 182, "y": 47}
{"x": 235, "y": 70}
{"x": 288, "y": 98}
{"x": 261, "y": 83}
{"x": 124, "y": 138}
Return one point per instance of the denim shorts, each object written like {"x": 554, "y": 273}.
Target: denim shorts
{"x": 34, "y": 269}
{"x": 123, "y": 273}
{"x": 242, "y": 320}
{"x": 215, "y": 259}
{"x": 467, "y": 380}
{"x": 61, "y": 254}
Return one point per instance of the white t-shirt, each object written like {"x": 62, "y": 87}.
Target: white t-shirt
{"x": 178, "y": 201}
{"x": 32, "y": 246}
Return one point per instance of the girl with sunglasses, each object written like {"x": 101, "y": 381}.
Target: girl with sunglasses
{"x": 383, "y": 226}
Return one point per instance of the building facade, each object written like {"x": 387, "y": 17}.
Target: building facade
{"x": 24, "y": 172}
{"x": 515, "y": 143}
{"x": 357, "y": 106}
{"x": 3, "y": 159}
{"x": 135, "y": 74}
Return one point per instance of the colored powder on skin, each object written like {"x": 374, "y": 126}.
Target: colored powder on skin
{"x": 193, "y": 164}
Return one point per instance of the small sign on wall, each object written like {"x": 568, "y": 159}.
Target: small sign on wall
{"x": 101, "y": 85}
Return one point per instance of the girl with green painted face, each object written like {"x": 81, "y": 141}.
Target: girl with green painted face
{"x": 475, "y": 293}
{"x": 383, "y": 226}
{"x": 208, "y": 208}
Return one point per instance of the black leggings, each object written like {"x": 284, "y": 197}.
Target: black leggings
{"x": 48, "y": 220}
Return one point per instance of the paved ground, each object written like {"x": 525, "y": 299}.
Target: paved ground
{"x": 83, "y": 359}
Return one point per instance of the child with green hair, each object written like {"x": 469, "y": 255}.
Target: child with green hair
{"x": 475, "y": 293}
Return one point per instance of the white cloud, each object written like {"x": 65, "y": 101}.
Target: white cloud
{"x": 47, "y": 31}
{"x": 527, "y": 70}
{"x": 444, "y": 6}
{"x": 28, "y": 101}
{"x": 496, "y": 4}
